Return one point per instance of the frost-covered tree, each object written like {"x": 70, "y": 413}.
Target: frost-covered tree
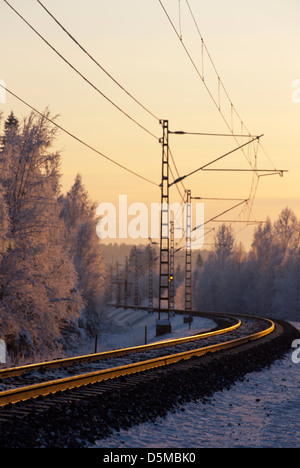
{"x": 11, "y": 122}
{"x": 269, "y": 261}
{"x": 287, "y": 277}
{"x": 39, "y": 300}
{"x": 265, "y": 281}
{"x": 4, "y": 221}
{"x": 223, "y": 244}
{"x": 79, "y": 215}
{"x": 217, "y": 282}
{"x": 199, "y": 261}
{"x": 286, "y": 300}
{"x": 10, "y": 126}
{"x": 263, "y": 245}
{"x": 287, "y": 231}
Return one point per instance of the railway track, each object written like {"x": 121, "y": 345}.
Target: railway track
{"x": 229, "y": 324}
{"x": 26, "y": 382}
{"x": 105, "y": 400}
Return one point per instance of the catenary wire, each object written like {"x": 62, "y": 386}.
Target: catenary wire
{"x": 79, "y": 73}
{"x": 221, "y": 82}
{"x": 198, "y": 72}
{"x": 253, "y": 188}
{"x": 96, "y": 61}
{"x": 79, "y": 139}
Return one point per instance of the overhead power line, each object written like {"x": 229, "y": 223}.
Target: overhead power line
{"x": 96, "y": 61}
{"x": 79, "y": 139}
{"x": 79, "y": 73}
{"x": 222, "y": 86}
{"x": 217, "y": 100}
{"x": 201, "y": 75}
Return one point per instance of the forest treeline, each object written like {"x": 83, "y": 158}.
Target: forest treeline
{"x": 263, "y": 281}
{"x": 51, "y": 266}
{"x": 54, "y": 280}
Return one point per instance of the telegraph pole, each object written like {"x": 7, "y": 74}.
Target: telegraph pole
{"x": 118, "y": 284}
{"x": 111, "y": 289}
{"x": 164, "y": 266}
{"x": 126, "y": 283}
{"x": 136, "y": 279}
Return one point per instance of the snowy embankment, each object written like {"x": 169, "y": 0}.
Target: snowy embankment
{"x": 260, "y": 411}
{"x": 125, "y": 328}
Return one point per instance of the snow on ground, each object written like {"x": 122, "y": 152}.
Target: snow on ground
{"x": 262, "y": 411}
{"x": 126, "y": 328}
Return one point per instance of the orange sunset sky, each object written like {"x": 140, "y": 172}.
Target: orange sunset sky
{"x": 255, "y": 47}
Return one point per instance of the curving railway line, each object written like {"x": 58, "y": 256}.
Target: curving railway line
{"x": 71, "y": 403}
{"x": 31, "y": 381}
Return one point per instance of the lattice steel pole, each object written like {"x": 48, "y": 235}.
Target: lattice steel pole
{"x": 136, "y": 280}
{"x": 150, "y": 303}
{"x": 188, "y": 259}
{"x": 172, "y": 269}
{"x": 164, "y": 266}
{"x": 126, "y": 283}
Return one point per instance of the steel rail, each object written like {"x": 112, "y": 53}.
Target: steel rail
{"x": 46, "y": 388}
{"x": 15, "y": 371}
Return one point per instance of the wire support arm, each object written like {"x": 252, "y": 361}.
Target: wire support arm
{"x": 271, "y": 172}
{"x": 181, "y": 132}
{"x": 215, "y": 160}
{"x": 223, "y": 212}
